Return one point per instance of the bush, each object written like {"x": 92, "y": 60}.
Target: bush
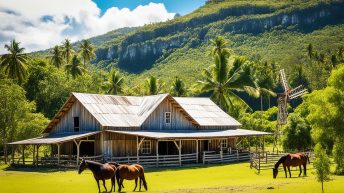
{"x": 338, "y": 154}
{"x": 297, "y": 134}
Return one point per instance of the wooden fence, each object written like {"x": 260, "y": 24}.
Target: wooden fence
{"x": 233, "y": 156}
{"x": 267, "y": 160}
{"x": 159, "y": 160}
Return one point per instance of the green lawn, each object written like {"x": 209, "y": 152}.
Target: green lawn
{"x": 208, "y": 178}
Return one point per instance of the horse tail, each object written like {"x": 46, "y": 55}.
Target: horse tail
{"x": 142, "y": 177}
{"x": 117, "y": 176}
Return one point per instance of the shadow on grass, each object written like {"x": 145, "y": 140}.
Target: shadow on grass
{"x": 40, "y": 169}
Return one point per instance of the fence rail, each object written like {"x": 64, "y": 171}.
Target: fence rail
{"x": 157, "y": 160}
{"x": 233, "y": 156}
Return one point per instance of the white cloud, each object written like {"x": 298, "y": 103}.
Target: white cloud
{"x": 41, "y": 24}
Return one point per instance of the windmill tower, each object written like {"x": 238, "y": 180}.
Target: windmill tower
{"x": 283, "y": 100}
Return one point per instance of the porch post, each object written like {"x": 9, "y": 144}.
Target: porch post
{"x": 58, "y": 153}
{"x": 263, "y": 143}
{"x": 157, "y": 152}
{"x": 180, "y": 152}
{"x": 257, "y": 140}
{"x": 13, "y": 149}
{"x": 138, "y": 147}
{"x": 77, "y": 151}
{"x": 197, "y": 151}
{"x": 23, "y": 153}
{"x": 33, "y": 155}
{"x": 37, "y": 155}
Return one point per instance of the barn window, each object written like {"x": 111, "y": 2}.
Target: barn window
{"x": 146, "y": 147}
{"x": 167, "y": 117}
{"x": 76, "y": 124}
{"x": 224, "y": 143}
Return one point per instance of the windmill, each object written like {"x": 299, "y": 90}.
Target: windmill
{"x": 283, "y": 100}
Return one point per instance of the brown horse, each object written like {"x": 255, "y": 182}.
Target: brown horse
{"x": 130, "y": 172}
{"x": 294, "y": 160}
{"x": 100, "y": 172}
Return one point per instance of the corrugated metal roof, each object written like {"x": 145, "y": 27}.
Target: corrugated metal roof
{"x": 132, "y": 111}
{"x": 54, "y": 138}
{"x": 206, "y": 112}
{"x": 192, "y": 134}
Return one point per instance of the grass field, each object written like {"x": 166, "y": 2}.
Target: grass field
{"x": 209, "y": 178}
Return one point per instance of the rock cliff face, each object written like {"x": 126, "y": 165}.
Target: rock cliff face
{"x": 140, "y": 50}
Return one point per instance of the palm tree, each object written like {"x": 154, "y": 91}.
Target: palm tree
{"x": 153, "y": 85}
{"x": 74, "y": 68}
{"x": 219, "y": 45}
{"x": 115, "y": 81}
{"x": 56, "y": 58}
{"x": 178, "y": 87}
{"x": 86, "y": 51}
{"x": 15, "y": 62}
{"x": 265, "y": 81}
{"x": 67, "y": 51}
{"x": 224, "y": 80}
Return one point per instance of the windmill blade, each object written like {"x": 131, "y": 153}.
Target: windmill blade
{"x": 298, "y": 94}
{"x": 284, "y": 80}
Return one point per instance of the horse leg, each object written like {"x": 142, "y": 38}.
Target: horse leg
{"x": 305, "y": 169}
{"x": 140, "y": 184}
{"x": 104, "y": 185}
{"x": 135, "y": 185}
{"x": 285, "y": 171}
{"x": 113, "y": 182}
{"x": 289, "y": 171}
{"x": 120, "y": 184}
{"x": 300, "y": 170}
{"x": 98, "y": 186}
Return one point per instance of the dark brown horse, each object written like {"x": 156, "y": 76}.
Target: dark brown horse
{"x": 294, "y": 160}
{"x": 130, "y": 172}
{"x": 100, "y": 172}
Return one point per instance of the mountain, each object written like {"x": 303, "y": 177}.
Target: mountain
{"x": 274, "y": 31}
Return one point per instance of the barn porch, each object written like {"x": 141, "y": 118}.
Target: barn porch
{"x": 65, "y": 149}
{"x": 177, "y": 147}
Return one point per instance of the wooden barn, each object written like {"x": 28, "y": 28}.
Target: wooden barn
{"x": 153, "y": 130}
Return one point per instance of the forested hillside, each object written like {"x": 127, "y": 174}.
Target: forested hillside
{"x": 271, "y": 31}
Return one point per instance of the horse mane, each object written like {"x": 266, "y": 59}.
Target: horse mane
{"x": 281, "y": 160}
{"x": 93, "y": 165}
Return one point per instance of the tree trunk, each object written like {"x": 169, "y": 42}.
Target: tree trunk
{"x": 322, "y": 187}
{"x": 4, "y": 144}
{"x": 261, "y": 110}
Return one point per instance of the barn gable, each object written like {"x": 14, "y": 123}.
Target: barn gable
{"x": 179, "y": 118}
{"x": 72, "y": 112}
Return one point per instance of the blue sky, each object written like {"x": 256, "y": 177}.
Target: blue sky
{"x": 175, "y": 6}
{"x": 49, "y": 22}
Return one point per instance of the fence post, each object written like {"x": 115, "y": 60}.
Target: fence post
{"x": 237, "y": 152}
{"x": 258, "y": 163}
{"x": 266, "y": 157}
{"x": 221, "y": 155}
{"x": 157, "y": 160}
{"x": 204, "y": 157}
